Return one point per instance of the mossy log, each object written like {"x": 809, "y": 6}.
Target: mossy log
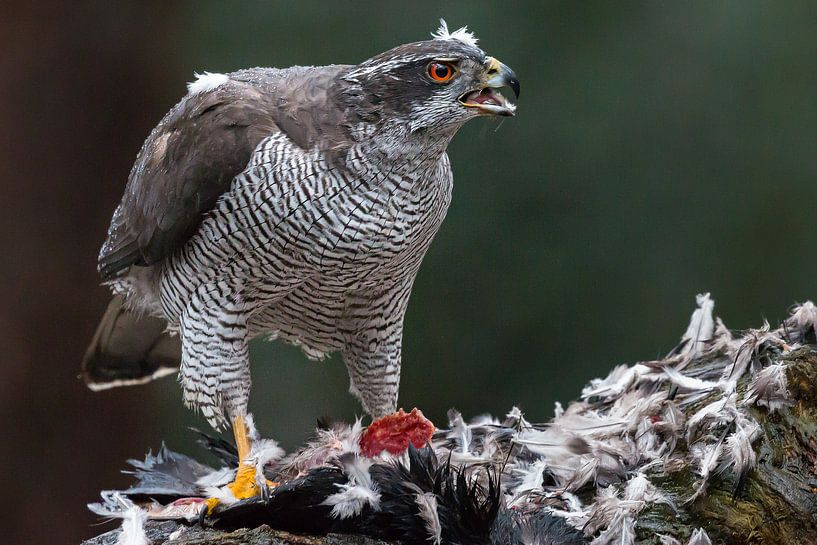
{"x": 173, "y": 533}
{"x": 777, "y": 502}
{"x": 700, "y": 480}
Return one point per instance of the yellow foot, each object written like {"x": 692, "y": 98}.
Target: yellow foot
{"x": 245, "y": 484}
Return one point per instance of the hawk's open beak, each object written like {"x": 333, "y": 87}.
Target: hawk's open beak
{"x": 486, "y": 98}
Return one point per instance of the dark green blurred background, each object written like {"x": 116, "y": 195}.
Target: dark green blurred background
{"x": 660, "y": 150}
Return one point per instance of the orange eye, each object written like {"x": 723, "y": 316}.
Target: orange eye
{"x": 440, "y": 72}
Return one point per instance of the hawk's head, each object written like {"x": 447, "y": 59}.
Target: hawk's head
{"x": 438, "y": 83}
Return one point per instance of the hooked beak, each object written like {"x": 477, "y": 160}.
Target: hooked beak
{"x": 486, "y": 98}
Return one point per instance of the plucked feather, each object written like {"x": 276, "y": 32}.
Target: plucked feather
{"x": 117, "y": 505}
{"x": 700, "y": 329}
{"x": 769, "y": 388}
{"x": 358, "y": 493}
{"x": 801, "y": 326}
{"x": 699, "y": 537}
{"x": 427, "y": 505}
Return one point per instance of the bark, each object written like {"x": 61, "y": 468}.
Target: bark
{"x": 161, "y": 533}
{"x": 777, "y": 503}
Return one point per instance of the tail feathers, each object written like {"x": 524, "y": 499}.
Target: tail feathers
{"x": 128, "y": 349}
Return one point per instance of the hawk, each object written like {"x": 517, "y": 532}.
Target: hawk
{"x": 296, "y": 203}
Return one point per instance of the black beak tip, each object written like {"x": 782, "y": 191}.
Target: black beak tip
{"x": 513, "y": 83}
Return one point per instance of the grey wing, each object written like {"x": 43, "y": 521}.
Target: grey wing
{"x": 192, "y": 156}
{"x": 186, "y": 163}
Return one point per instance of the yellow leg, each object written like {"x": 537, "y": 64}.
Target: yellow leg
{"x": 245, "y": 484}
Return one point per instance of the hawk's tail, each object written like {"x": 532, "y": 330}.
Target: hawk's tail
{"x": 129, "y": 348}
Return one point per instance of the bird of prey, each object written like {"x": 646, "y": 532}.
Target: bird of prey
{"x": 296, "y": 203}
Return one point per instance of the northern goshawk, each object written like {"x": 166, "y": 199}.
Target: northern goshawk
{"x": 296, "y": 203}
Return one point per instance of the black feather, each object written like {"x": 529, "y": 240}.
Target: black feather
{"x": 295, "y": 506}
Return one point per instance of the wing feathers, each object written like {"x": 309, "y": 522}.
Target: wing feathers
{"x": 186, "y": 163}
{"x": 192, "y": 156}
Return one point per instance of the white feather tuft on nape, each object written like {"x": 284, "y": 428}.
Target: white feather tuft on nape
{"x": 427, "y": 505}
{"x": 461, "y": 34}
{"x": 206, "y": 82}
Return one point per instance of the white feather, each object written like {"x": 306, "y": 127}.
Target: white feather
{"x": 739, "y": 445}
{"x": 516, "y": 414}
{"x": 688, "y": 383}
{"x": 263, "y": 452}
{"x": 770, "y": 388}
{"x": 637, "y": 487}
{"x": 351, "y": 500}
{"x": 459, "y": 432}
{"x": 649, "y": 445}
{"x": 359, "y": 492}
{"x": 592, "y": 423}
{"x": 803, "y": 318}
{"x": 699, "y": 537}
{"x": 700, "y": 329}
{"x": 668, "y": 540}
{"x": 177, "y": 534}
{"x": 621, "y": 530}
{"x": 350, "y": 441}
{"x": 427, "y": 505}
{"x": 219, "y": 477}
{"x": 159, "y": 373}
{"x": 530, "y": 479}
{"x": 718, "y": 412}
{"x": 615, "y": 515}
{"x": 620, "y": 379}
{"x": 206, "y": 82}
{"x": 707, "y": 456}
{"x": 133, "y": 528}
{"x": 722, "y": 339}
{"x": 461, "y": 34}
{"x": 222, "y": 493}
{"x": 116, "y": 505}
{"x": 748, "y": 347}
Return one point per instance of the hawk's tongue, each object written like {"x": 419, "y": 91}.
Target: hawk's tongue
{"x": 484, "y": 96}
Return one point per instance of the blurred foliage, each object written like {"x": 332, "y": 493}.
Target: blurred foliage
{"x": 660, "y": 150}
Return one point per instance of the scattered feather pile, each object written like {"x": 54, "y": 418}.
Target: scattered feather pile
{"x": 592, "y": 474}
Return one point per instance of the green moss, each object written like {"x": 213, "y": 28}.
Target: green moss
{"x": 777, "y": 504}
